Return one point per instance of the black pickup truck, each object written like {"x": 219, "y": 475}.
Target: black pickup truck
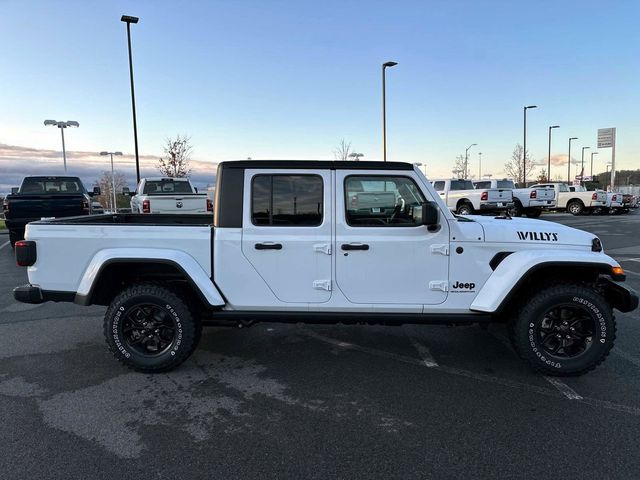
{"x": 40, "y": 197}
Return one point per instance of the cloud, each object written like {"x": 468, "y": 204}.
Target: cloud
{"x": 16, "y": 162}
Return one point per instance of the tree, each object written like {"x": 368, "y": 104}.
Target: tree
{"x": 356, "y": 156}
{"x": 177, "y": 153}
{"x": 542, "y": 176}
{"x": 513, "y": 168}
{"x": 106, "y": 189}
{"x": 460, "y": 167}
{"x": 343, "y": 150}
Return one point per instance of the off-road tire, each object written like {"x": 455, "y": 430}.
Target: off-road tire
{"x": 465, "y": 208}
{"x": 575, "y": 207}
{"x": 163, "y": 299}
{"x": 523, "y": 329}
{"x": 533, "y": 212}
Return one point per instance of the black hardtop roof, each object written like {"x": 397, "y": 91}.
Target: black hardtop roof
{"x": 318, "y": 164}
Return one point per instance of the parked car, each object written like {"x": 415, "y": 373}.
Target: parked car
{"x": 613, "y": 203}
{"x": 97, "y": 208}
{"x": 357, "y": 242}
{"x": 528, "y": 201}
{"x": 575, "y": 203}
{"x": 630, "y": 201}
{"x": 38, "y": 197}
{"x": 464, "y": 199}
{"x": 169, "y": 195}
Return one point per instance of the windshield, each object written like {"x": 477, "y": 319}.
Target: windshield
{"x": 166, "y": 187}
{"x": 52, "y": 185}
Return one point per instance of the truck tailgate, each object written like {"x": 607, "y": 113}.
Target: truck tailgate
{"x": 178, "y": 203}
{"x": 32, "y": 206}
{"x": 545, "y": 193}
{"x": 498, "y": 195}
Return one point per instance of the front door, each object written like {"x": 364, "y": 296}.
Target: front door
{"x": 286, "y": 234}
{"x": 384, "y": 255}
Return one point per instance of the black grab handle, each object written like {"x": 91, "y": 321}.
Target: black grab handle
{"x": 349, "y": 246}
{"x": 268, "y": 246}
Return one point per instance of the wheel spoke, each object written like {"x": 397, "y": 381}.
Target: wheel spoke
{"x": 566, "y": 330}
{"x": 149, "y": 329}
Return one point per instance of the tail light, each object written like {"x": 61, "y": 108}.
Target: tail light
{"x": 614, "y": 198}
{"x": 594, "y": 196}
{"x": 25, "y": 253}
{"x": 146, "y": 206}
{"x": 85, "y": 206}
{"x": 209, "y": 205}
{"x": 484, "y": 196}
{"x": 533, "y": 194}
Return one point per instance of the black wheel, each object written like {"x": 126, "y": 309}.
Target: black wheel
{"x": 564, "y": 330}
{"x": 533, "y": 212}
{"x": 149, "y": 328}
{"x": 465, "y": 209}
{"x": 516, "y": 210}
{"x": 575, "y": 207}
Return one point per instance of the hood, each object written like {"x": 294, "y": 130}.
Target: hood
{"x": 527, "y": 230}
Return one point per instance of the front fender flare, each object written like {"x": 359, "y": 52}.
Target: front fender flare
{"x": 181, "y": 260}
{"x": 515, "y": 268}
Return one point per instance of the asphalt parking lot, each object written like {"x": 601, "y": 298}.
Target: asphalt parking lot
{"x": 289, "y": 401}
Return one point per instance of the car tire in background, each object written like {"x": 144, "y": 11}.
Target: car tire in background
{"x": 566, "y": 329}
{"x": 516, "y": 210}
{"x": 533, "y": 212}
{"x": 465, "y": 208}
{"x": 149, "y": 328}
{"x": 575, "y": 207}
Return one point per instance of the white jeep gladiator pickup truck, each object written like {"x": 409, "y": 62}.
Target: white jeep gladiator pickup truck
{"x": 327, "y": 242}
{"x": 464, "y": 199}
{"x": 527, "y": 201}
{"x": 575, "y": 203}
{"x": 169, "y": 195}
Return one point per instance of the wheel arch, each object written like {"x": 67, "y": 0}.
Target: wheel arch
{"x": 108, "y": 275}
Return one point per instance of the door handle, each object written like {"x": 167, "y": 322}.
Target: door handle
{"x": 354, "y": 246}
{"x": 268, "y": 246}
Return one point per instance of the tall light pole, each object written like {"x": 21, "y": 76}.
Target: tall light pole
{"x": 524, "y": 147}
{"x": 62, "y": 126}
{"x": 129, "y": 20}
{"x": 549, "y": 156}
{"x": 479, "y": 165}
{"x": 385, "y": 65}
{"x": 113, "y": 178}
{"x": 569, "y": 161}
{"x": 582, "y": 172}
{"x": 466, "y": 159}
{"x": 591, "y": 172}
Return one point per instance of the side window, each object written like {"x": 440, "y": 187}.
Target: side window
{"x": 286, "y": 200}
{"x": 438, "y": 186}
{"x": 382, "y": 201}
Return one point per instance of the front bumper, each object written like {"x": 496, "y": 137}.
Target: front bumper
{"x": 620, "y": 297}
{"x": 34, "y": 294}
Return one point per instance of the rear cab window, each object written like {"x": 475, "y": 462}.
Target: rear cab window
{"x": 52, "y": 185}
{"x": 166, "y": 187}
{"x": 462, "y": 185}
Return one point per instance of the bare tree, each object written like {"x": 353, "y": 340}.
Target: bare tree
{"x": 513, "y": 168}
{"x": 177, "y": 153}
{"x": 460, "y": 167}
{"x": 106, "y": 188}
{"x": 343, "y": 150}
{"x": 356, "y": 156}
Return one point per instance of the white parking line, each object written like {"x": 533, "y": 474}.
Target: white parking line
{"x": 565, "y": 389}
{"x": 4, "y": 245}
{"x": 424, "y": 352}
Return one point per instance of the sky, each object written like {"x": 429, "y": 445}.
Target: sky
{"x": 277, "y": 79}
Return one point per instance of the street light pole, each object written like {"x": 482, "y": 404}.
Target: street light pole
{"x": 524, "y": 147}
{"x": 569, "y": 161}
{"x": 113, "y": 179}
{"x": 129, "y": 20}
{"x": 479, "y": 165}
{"x": 582, "y": 163}
{"x": 62, "y": 126}
{"x": 466, "y": 160}
{"x": 549, "y": 156}
{"x": 384, "y": 108}
{"x": 591, "y": 173}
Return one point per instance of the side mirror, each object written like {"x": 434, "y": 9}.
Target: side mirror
{"x": 126, "y": 191}
{"x": 196, "y": 189}
{"x": 430, "y": 214}
{"x": 97, "y": 191}
{"x": 14, "y": 190}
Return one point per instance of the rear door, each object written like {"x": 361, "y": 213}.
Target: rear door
{"x": 287, "y": 232}
{"x": 384, "y": 255}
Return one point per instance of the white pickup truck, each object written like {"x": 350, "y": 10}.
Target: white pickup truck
{"x": 327, "y": 242}
{"x": 614, "y": 203}
{"x": 169, "y": 195}
{"x": 575, "y": 203}
{"x": 527, "y": 201}
{"x": 464, "y": 199}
